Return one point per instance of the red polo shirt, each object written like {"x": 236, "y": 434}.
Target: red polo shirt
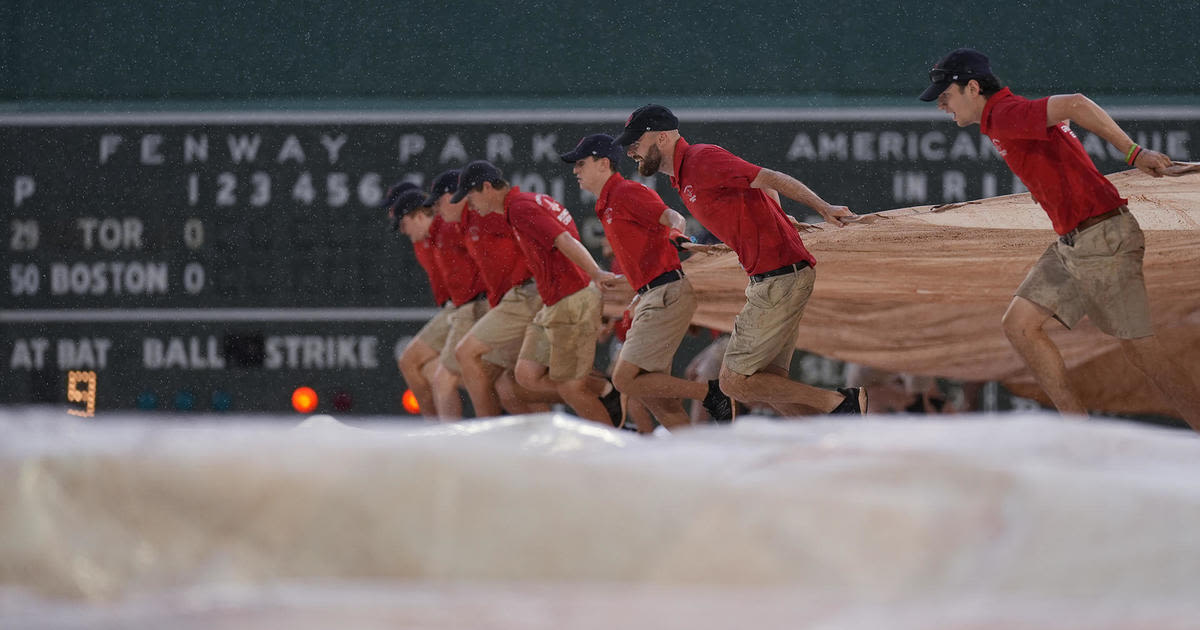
{"x": 491, "y": 243}
{"x": 536, "y": 220}
{"x": 462, "y": 277}
{"x": 630, "y": 213}
{"x": 715, "y": 187}
{"x": 424, "y": 252}
{"x": 1050, "y": 161}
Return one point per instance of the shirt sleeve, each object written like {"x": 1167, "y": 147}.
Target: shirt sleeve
{"x": 643, "y": 204}
{"x": 535, "y": 223}
{"x": 1019, "y": 119}
{"x": 717, "y": 167}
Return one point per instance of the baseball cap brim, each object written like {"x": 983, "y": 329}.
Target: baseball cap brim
{"x": 459, "y": 195}
{"x": 629, "y": 136}
{"x": 431, "y": 199}
{"x": 406, "y": 202}
{"x": 574, "y": 155}
{"x": 933, "y": 91}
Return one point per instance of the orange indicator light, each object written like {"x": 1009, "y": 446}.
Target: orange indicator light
{"x": 409, "y": 400}
{"x": 304, "y": 399}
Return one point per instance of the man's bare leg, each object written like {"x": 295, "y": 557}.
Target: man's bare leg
{"x": 534, "y": 377}
{"x": 668, "y": 411}
{"x": 580, "y": 394}
{"x": 635, "y": 382}
{"x": 445, "y": 394}
{"x": 641, "y": 416}
{"x": 1175, "y": 384}
{"x": 516, "y": 399}
{"x": 771, "y": 387}
{"x": 789, "y": 410}
{"x": 1024, "y": 325}
{"x": 656, "y": 390}
{"x": 416, "y": 356}
{"x": 479, "y": 376}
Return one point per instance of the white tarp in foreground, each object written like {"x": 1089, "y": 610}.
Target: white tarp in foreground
{"x": 548, "y": 522}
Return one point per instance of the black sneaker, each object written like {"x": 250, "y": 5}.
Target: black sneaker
{"x": 854, "y": 403}
{"x": 612, "y": 403}
{"x": 717, "y": 404}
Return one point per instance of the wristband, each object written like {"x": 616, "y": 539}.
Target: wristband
{"x": 1131, "y": 155}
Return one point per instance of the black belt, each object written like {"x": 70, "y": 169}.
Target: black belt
{"x": 481, "y": 296}
{"x": 1069, "y": 237}
{"x": 792, "y": 268}
{"x": 661, "y": 279}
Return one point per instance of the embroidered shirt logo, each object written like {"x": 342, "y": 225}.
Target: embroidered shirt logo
{"x": 688, "y": 193}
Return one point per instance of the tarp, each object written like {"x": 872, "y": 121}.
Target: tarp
{"x": 548, "y": 522}
{"x": 922, "y": 290}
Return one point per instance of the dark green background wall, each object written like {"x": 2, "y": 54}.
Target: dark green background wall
{"x": 536, "y": 51}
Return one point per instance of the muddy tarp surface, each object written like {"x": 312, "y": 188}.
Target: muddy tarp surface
{"x": 922, "y": 290}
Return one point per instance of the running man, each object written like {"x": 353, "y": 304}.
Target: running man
{"x": 418, "y": 362}
{"x": 739, "y": 203}
{"x": 643, "y": 233}
{"x": 490, "y": 346}
{"x": 559, "y": 347}
{"x": 467, "y": 291}
{"x": 1094, "y": 268}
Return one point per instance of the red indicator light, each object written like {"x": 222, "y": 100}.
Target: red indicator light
{"x": 304, "y": 399}
{"x": 343, "y": 401}
{"x": 409, "y": 400}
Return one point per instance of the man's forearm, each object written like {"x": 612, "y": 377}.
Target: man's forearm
{"x": 576, "y": 253}
{"x": 789, "y": 187}
{"x": 1087, "y": 114}
{"x": 673, "y": 219}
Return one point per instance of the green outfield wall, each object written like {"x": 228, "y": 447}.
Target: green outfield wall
{"x": 536, "y": 50}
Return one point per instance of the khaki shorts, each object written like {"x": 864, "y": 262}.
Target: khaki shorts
{"x": 461, "y": 321}
{"x": 503, "y": 327}
{"x": 434, "y": 332}
{"x": 563, "y": 336}
{"x": 1099, "y": 276}
{"x": 660, "y": 320}
{"x": 765, "y": 331}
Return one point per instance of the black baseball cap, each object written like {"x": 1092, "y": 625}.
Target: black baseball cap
{"x": 960, "y": 65}
{"x": 475, "y": 174}
{"x": 394, "y": 191}
{"x": 406, "y": 202}
{"x": 647, "y": 118}
{"x": 599, "y": 145}
{"x": 447, "y": 182}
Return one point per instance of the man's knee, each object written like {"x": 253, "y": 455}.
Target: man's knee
{"x": 469, "y": 351}
{"x": 623, "y": 376}
{"x": 574, "y": 389}
{"x": 733, "y": 384}
{"x": 1021, "y": 319}
{"x": 528, "y": 374}
{"x": 1142, "y": 352}
{"x": 416, "y": 354}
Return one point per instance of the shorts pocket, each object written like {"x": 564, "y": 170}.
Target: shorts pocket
{"x": 771, "y": 292}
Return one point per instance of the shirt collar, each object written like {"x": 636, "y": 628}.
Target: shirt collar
{"x": 681, "y": 147}
{"x": 508, "y": 197}
{"x": 611, "y": 183}
{"x": 985, "y": 118}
